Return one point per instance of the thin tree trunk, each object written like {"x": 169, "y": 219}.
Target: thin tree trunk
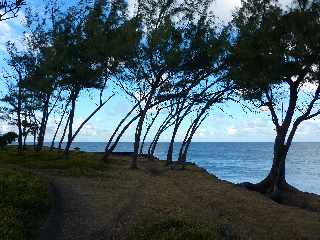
{"x": 115, "y": 143}
{"x": 88, "y": 119}
{"x": 148, "y": 130}
{"x": 44, "y": 121}
{"x": 71, "y": 119}
{"x": 118, "y": 127}
{"x": 183, "y": 157}
{"x": 136, "y": 144}
{"x": 34, "y": 141}
{"x": 20, "y": 133}
{"x": 64, "y": 132}
{"x": 59, "y": 125}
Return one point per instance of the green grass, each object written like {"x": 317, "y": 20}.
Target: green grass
{"x": 77, "y": 164}
{"x": 174, "y": 229}
{"x": 24, "y": 204}
{"x": 155, "y": 202}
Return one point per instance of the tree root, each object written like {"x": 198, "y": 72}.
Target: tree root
{"x": 269, "y": 189}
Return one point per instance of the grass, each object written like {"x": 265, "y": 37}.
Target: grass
{"x": 24, "y": 203}
{"x": 157, "y": 203}
{"x": 77, "y": 164}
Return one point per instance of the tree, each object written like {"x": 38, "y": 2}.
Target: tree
{"x": 160, "y": 57}
{"x": 274, "y": 59}
{"x": 88, "y": 46}
{"x": 7, "y": 138}
{"x": 14, "y": 110}
{"x": 10, "y": 10}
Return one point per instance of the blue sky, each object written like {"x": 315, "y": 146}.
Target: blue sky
{"x": 232, "y": 125}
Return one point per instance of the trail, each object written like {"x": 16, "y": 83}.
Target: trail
{"x": 71, "y": 217}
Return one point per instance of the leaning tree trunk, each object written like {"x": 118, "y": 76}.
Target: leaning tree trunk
{"x": 70, "y": 140}
{"x": 183, "y": 154}
{"x": 59, "y": 125}
{"x": 275, "y": 182}
{"x": 174, "y": 134}
{"x": 71, "y": 118}
{"x": 43, "y": 124}
{"x": 148, "y": 130}
{"x": 118, "y": 128}
{"x": 155, "y": 141}
{"x": 170, "y": 148}
{"x": 64, "y": 133}
{"x": 115, "y": 143}
{"x": 137, "y": 139}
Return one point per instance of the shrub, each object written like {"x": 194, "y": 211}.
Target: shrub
{"x": 24, "y": 203}
{"x": 7, "y": 138}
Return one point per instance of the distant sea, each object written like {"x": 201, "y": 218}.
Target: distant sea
{"x": 239, "y": 162}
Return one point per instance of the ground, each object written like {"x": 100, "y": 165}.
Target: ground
{"x": 95, "y": 199}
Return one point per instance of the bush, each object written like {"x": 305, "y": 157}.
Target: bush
{"x": 24, "y": 203}
{"x": 7, "y": 138}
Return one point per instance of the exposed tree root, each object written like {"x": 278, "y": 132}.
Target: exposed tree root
{"x": 285, "y": 194}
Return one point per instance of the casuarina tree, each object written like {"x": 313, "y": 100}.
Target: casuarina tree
{"x": 275, "y": 63}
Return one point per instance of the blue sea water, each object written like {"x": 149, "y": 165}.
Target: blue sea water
{"x": 239, "y": 162}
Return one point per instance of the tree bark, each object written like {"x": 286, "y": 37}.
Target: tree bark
{"x": 64, "y": 132}
{"x": 87, "y": 120}
{"x": 19, "y": 123}
{"x": 74, "y": 97}
{"x": 44, "y": 120}
{"x": 115, "y": 143}
{"x": 59, "y": 125}
{"x": 148, "y": 130}
{"x": 275, "y": 182}
{"x": 118, "y": 127}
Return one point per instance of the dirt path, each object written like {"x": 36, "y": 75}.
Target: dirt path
{"x": 72, "y": 217}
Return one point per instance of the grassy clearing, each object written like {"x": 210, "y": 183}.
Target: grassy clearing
{"x": 24, "y": 204}
{"x": 157, "y": 203}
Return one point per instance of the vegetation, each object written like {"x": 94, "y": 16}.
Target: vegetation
{"x": 7, "y": 138}
{"x": 10, "y": 10}
{"x": 277, "y": 50}
{"x": 155, "y": 202}
{"x": 24, "y": 204}
{"x": 175, "y": 62}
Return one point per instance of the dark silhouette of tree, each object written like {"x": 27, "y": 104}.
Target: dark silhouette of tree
{"x": 275, "y": 58}
{"x": 10, "y": 9}
{"x": 7, "y": 138}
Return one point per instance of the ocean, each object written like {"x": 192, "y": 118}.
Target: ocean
{"x": 242, "y": 162}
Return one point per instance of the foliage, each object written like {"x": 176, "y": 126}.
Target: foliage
{"x": 24, "y": 204}
{"x": 7, "y": 138}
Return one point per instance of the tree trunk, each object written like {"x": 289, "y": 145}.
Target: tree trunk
{"x": 44, "y": 120}
{"x": 115, "y": 143}
{"x": 20, "y": 132}
{"x": 64, "y": 132}
{"x": 71, "y": 119}
{"x": 137, "y": 138}
{"x": 59, "y": 125}
{"x": 275, "y": 182}
{"x": 148, "y": 130}
{"x": 118, "y": 127}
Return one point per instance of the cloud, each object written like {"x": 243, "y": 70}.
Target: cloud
{"x": 232, "y": 131}
{"x": 11, "y": 30}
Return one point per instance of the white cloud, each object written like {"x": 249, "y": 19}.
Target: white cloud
{"x": 232, "y": 131}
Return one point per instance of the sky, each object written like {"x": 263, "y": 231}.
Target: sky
{"x": 232, "y": 125}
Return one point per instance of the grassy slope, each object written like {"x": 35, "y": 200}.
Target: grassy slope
{"x": 24, "y": 204}
{"x": 156, "y": 203}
